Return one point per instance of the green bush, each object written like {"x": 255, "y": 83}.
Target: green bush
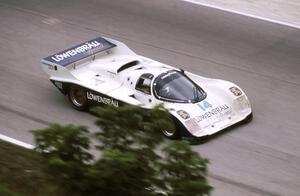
{"x": 22, "y": 172}
{"x": 5, "y": 192}
{"x": 135, "y": 160}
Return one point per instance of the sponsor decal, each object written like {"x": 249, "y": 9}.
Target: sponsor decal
{"x": 215, "y": 111}
{"x": 236, "y": 91}
{"x": 168, "y": 74}
{"x": 183, "y": 114}
{"x": 205, "y": 105}
{"x": 80, "y": 49}
{"x": 101, "y": 99}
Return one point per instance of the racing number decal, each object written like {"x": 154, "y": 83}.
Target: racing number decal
{"x": 204, "y": 105}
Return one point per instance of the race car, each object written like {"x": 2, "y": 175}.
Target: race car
{"x": 104, "y": 71}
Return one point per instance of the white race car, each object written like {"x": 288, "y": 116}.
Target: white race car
{"x": 106, "y": 72}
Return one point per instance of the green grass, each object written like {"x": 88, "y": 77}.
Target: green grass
{"x": 22, "y": 173}
{"x": 5, "y": 192}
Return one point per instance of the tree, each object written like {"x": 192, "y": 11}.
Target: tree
{"x": 126, "y": 127}
{"x": 135, "y": 132}
{"x": 134, "y": 161}
{"x": 184, "y": 171}
{"x": 67, "y": 149}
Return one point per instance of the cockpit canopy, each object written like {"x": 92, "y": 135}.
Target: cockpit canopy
{"x": 175, "y": 86}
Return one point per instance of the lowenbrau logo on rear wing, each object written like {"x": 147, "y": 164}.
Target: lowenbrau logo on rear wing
{"x": 80, "y": 51}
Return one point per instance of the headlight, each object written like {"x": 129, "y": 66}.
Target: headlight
{"x": 242, "y": 102}
{"x": 183, "y": 114}
{"x": 235, "y": 90}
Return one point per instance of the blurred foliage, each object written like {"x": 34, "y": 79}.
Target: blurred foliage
{"x": 129, "y": 137}
{"x": 67, "y": 151}
{"x": 135, "y": 160}
{"x": 68, "y": 143}
{"x": 22, "y": 172}
{"x": 184, "y": 171}
{"x": 5, "y": 192}
{"x": 130, "y": 127}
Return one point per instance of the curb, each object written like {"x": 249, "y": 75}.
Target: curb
{"x": 16, "y": 142}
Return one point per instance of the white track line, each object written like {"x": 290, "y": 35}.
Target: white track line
{"x": 244, "y": 14}
{"x": 16, "y": 142}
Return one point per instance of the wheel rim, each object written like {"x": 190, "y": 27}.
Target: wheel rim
{"x": 77, "y": 97}
{"x": 168, "y": 133}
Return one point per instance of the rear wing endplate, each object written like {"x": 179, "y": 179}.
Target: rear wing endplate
{"x": 79, "y": 52}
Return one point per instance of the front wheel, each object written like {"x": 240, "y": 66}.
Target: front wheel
{"x": 173, "y": 132}
{"x": 77, "y": 97}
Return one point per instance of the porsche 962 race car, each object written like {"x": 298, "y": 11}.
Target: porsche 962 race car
{"x": 106, "y": 72}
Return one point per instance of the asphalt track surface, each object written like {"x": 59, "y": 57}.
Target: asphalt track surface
{"x": 260, "y": 158}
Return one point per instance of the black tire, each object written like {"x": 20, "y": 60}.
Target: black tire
{"x": 173, "y": 134}
{"x": 77, "y": 98}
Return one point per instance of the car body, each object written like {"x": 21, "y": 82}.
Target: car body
{"x": 104, "y": 71}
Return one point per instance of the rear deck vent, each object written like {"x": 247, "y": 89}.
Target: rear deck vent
{"x": 127, "y": 65}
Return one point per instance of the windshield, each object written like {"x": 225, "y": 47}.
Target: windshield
{"x": 174, "y": 86}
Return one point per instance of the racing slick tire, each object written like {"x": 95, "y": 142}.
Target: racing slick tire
{"x": 176, "y": 132}
{"x": 77, "y": 98}
{"x": 171, "y": 134}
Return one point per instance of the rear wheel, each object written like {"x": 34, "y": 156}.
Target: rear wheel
{"x": 77, "y": 97}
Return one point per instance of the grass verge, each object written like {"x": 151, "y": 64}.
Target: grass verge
{"x": 22, "y": 172}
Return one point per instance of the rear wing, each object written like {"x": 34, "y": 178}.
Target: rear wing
{"x": 78, "y": 52}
